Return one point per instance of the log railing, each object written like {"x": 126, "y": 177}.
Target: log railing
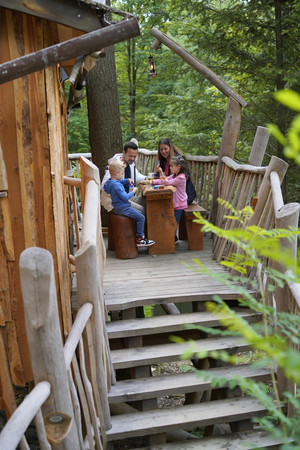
{"x": 76, "y": 395}
{"x": 287, "y": 298}
{"x": 66, "y": 382}
{"x": 238, "y": 187}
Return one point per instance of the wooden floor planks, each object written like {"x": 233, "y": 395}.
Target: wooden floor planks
{"x": 160, "y": 279}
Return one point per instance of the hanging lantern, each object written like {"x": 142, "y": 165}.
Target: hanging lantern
{"x": 152, "y": 71}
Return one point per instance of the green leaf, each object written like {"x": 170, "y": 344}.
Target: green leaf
{"x": 289, "y": 98}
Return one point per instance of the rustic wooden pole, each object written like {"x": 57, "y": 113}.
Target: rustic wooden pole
{"x": 230, "y": 136}
{"x": 287, "y": 217}
{"x": 277, "y": 165}
{"x": 82, "y": 45}
{"x": 12, "y": 433}
{"x": 196, "y": 64}
{"x": 259, "y": 146}
{"x": 44, "y": 337}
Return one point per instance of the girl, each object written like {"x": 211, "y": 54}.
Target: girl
{"x": 178, "y": 168}
{"x": 166, "y": 151}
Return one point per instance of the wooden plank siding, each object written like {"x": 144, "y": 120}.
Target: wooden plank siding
{"x": 34, "y": 146}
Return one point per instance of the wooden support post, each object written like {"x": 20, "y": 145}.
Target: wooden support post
{"x": 44, "y": 336}
{"x": 82, "y": 45}
{"x": 230, "y": 136}
{"x": 259, "y": 146}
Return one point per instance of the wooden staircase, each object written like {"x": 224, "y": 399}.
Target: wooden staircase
{"x": 204, "y": 406}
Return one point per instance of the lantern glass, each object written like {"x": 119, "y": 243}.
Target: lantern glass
{"x": 152, "y": 70}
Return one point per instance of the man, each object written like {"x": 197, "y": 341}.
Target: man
{"x": 128, "y": 157}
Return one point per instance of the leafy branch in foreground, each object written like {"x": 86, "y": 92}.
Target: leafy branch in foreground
{"x": 291, "y": 142}
{"x": 278, "y": 335}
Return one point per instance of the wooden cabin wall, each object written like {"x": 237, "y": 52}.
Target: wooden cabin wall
{"x": 35, "y": 209}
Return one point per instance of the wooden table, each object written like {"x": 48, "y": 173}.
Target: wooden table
{"x": 161, "y": 223}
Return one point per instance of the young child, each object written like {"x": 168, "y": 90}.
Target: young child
{"x": 115, "y": 187}
{"x": 178, "y": 167}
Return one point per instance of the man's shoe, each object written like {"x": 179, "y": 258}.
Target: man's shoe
{"x": 144, "y": 242}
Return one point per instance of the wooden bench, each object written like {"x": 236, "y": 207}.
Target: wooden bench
{"x": 121, "y": 236}
{"x": 189, "y": 230}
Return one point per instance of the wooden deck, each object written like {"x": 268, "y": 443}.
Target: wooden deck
{"x": 155, "y": 279}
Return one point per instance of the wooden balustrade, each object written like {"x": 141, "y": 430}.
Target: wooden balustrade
{"x": 90, "y": 260}
{"x": 78, "y": 388}
{"x": 285, "y": 298}
{"x": 238, "y": 186}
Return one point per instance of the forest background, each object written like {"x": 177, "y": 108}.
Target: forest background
{"x": 253, "y": 45}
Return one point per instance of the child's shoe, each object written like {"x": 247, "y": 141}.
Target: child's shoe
{"x": 141, "y": 241}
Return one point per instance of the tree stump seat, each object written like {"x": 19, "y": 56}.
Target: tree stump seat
{"x": 189, "y": 230}
{"x": 121, "y": 236}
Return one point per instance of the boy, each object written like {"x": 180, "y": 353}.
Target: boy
{"x": 115, "y": 187}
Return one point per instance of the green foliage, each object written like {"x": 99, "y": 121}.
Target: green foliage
{"x": 278, "y": 346}
{"x": 78, "y": 128}
{"x": 252, "y": 46}
{"x": 291, "y": 143}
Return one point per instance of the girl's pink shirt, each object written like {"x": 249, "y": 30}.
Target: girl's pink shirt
{"x": 179, "y": 182}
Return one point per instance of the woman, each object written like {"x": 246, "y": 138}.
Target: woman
{"x": 166, "y": 151}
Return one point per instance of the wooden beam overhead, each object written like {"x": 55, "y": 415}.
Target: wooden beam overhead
{"x": 82, "y": 45}
{"x": 196, "y": 64}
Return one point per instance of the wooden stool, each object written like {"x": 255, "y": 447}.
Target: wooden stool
{"x": 190, "y": 230}
{"x": 121, "y": 236}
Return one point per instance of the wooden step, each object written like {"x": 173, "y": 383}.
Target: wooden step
{"x": 159, "y": 386}
{"x": 235, "y": 441}
{"x": 152, "y": 297}
{"x": 140, "y": 356}
{"x": 169, "y": 323}
{"x": 185, "y": 417}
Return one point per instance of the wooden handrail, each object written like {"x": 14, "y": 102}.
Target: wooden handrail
{"x": 18, "y": 423}
{"x": 243, "y": 167}
{"x": 70, "y": 181}
{"x": 78, "y": 326}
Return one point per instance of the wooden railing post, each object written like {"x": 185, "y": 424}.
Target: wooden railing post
{"x": 286, "y": 218}
{"x": 259, "y": 146}
{"x": 230, "y": 136}
{"x": 45, "y": 341}
{"x": 90, "y": 260}
{"x": 279, "y": 166}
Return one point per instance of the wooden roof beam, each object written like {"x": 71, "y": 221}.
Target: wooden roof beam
{"x": 196, "y": 64}
{"x": 82, "y": 45}
{"x": 81, "y": 15}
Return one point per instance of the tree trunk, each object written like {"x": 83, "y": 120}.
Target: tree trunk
{"x": 131, "y": 69}
{"x": 105, "y": 131}
{"x": 280, "y": 84}
{"x": 103, "y": 111}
